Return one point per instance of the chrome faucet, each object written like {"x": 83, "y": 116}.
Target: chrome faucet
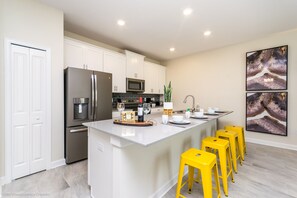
{"x": 193, "y": 105}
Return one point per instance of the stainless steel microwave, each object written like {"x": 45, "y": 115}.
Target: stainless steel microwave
{"x": 135, "y": 85}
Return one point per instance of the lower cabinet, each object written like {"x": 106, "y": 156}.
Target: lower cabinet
{"x": 156, "y": 110}
{"x": 115, "y": 114}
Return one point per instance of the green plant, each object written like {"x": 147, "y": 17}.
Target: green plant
{"x": 167, "y": 93}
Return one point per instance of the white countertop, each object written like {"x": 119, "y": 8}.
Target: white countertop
{"x": 147, "y": 135}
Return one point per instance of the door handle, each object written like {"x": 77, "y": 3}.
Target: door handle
{"x": 96, "y": 96}
{"x": 78, "y": 130}
{"x": 93, "y": 95}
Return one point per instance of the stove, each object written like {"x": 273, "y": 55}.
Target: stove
{"x": 131, "y": 104}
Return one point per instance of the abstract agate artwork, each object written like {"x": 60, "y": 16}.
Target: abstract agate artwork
{"x": 267, "y": 69}
{"x": 266, "y": 112}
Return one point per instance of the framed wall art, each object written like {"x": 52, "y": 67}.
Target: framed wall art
{"x": 266, "y": 112}
{"x": 267, "y": 69}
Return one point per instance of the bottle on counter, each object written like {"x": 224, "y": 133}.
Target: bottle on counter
{"x": 188, "y": 113}
{"x": 140, "y": 111}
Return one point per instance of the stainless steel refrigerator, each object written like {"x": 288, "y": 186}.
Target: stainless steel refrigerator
{"x": 88, "y": 97}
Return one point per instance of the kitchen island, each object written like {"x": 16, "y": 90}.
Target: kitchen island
{"x": 136, "y": 162}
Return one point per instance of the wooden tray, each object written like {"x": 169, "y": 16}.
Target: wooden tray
{"x": 135, "y": 123}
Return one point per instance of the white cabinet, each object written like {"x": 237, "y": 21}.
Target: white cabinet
{"x": 82, "y": 55}
{"x": 154, "y": 76}
{"x": 161, "y": 79}
{"x": 115, "y": 114}
{"x": 115, "y": 63}
{"x": 150, "y": 71}
{"x": 134, "y": 66}
{"x": 156, "y": 110}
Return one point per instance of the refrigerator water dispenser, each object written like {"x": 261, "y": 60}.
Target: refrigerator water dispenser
{"x": 81, "y": 107}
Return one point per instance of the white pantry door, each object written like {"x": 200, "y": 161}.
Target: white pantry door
{"x": 28, "y": 110}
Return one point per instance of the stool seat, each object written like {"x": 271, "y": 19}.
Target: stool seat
{"x": 222, "y": 146}
{"x": 232, "y": 136}
{"x": 199, "y": 158}
{"x": 203, "y": 161}
{"x": 241, "y": 138}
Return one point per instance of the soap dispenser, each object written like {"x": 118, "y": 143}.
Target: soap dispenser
{"x": 188, "y": 113}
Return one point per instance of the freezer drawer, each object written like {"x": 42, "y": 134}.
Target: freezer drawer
{"x": 76, "y": 147}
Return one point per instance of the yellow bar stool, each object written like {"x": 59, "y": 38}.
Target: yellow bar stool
{"x": 232, "y": 136}
{"x": 241, "y": 138}
{"x": 222, "y": 146}
{"x": 203, "y": 161}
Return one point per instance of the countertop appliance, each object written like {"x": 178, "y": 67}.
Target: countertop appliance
{"x": 135, "y": 85}
{"x": 88, "y": 97}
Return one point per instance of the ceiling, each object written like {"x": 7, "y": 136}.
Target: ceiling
{"x": 153, "y": 26}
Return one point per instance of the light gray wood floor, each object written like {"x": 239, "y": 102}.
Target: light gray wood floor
{"x": 267, "y": 172}
{"x": 65, "y": 181}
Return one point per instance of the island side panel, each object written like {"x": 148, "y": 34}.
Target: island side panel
{"x": 136, "y": 171}
{"x": 151, "y": 171}
{"x": 100, "y": 162}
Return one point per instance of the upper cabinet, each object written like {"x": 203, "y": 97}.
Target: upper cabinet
{"x": 129, "y": 65}
{"x": 81, "y": 55}
{"x": 161, "y": 79}
{"x": 154, "y": 76}
{"x": 115, "y": 63}
{"x": 134, "y": 67}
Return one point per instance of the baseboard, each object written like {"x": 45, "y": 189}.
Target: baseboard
{"x": 270, "y": 143}
{"x": 2, "y": 182}
{"x": 1, "y": 186}
{"x": 57, "y": 163}
{"x": 166, "y": 187}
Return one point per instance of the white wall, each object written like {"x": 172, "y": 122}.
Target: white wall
{"x": 217, "y": 79}
{"x": 32, "y": 22}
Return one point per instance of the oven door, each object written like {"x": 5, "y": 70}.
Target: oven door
{"x": 134, "y": 85}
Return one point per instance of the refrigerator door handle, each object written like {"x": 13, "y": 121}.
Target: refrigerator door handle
{"x": 78, "y": 130}
{"x": 92, "y": 95}
{"x": 96, "y": 96}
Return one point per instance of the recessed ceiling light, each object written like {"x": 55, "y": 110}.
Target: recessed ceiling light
{"x": 187, "y": 11}
{"x": 121, "y": 22}
{"x": 207, "y": 33}
{"x": 172, "y": 49}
